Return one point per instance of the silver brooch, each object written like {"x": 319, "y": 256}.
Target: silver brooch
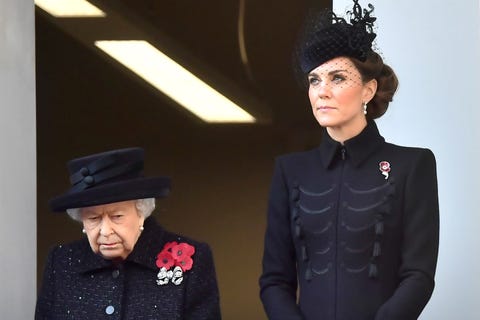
{"x": 165, "y": 276}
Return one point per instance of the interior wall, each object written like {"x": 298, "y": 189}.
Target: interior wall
{"x": 434, "y": 47}
{"x": 17, "y": 160}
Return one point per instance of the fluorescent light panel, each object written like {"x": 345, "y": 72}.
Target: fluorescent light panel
{"x": 70, "y": 8}
{"x": 175, "y": 81}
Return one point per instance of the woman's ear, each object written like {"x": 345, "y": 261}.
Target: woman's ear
{"x": 370, "y": 88}
{"x": 142, "y": 218}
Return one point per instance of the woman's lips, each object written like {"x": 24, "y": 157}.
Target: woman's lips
{"x": 108, "y": 245}
{"x": 325, "y": 108}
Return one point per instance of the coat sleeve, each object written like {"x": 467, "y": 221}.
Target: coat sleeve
{"x": 202, "y": 297}
{"x": 278, "y": 282}
{"x": 47, "y": 291}
{"x": 420, "y": 243}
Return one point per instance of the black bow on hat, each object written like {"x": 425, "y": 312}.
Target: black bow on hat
{"x": 109, "y": 177}
{"x": 327, "y": 36}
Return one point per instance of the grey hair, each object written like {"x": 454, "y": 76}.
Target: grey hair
{"x": 144, "y": 206}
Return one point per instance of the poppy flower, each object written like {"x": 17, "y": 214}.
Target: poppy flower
{"x": 186, "y": 263}
{"x": 182, "y": 250}
{"x": 169, "y": 245}
{"x": 165, "y": 260}
{"x": 174, "y": 254}
{"x": 384, "y": 166}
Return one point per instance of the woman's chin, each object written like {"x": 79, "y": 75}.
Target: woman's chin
{"x": 326, "y": 122}
{"x": 111, "y": 252}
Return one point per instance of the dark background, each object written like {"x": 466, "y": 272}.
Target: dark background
{"x": 220, "y": 172}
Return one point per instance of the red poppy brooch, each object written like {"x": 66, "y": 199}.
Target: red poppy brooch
{"x": 384, "y": 168}
{"x": 174, "y": 259}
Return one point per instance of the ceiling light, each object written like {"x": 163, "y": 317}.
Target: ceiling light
{"x": 175, "y": 81}
{"x": 70, "y": 8}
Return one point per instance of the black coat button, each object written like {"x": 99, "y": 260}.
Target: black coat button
{"x": 88, "y": 180}
{"x": 84, "y": 171}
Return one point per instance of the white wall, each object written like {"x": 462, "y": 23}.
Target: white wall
{"x": 434, "y": 46}
{"x": 17, "y": 160}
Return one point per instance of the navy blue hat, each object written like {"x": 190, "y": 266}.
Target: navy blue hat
{"x": 109, "y": 177}
{"x": 327, "y": 36}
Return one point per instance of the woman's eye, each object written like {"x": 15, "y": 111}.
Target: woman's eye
{"x": 313, "y": 81}
{"x": 92, "y": 221}
{"x": 338, "y": 78}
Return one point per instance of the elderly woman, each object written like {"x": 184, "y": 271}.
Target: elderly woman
{"x": 353, "y": 224}
{"x": 127, "y": 266}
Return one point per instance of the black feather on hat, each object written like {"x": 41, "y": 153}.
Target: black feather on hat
{"x": 109, "y": 177}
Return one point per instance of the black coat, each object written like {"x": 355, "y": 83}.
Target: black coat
{"x": 361, "y": 245}
{"x": 79, "y": 284}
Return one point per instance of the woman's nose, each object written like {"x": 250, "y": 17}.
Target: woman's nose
{"x": 323, "y": 89}
{"x": 106, "y": 227}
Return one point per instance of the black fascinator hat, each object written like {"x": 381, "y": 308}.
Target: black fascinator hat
{"x": 109, "y": 177}
{"x": 326, "y": 36}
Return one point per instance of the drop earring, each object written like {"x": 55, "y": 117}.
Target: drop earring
{"x": 364, "y": 108}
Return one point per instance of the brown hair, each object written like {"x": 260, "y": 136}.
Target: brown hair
{"x": 387, "y": 82}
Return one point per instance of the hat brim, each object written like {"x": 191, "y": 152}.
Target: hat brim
{"x": 139, "y": 188}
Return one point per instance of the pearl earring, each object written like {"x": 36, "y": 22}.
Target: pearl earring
{"x": 84, "y": 231}
{"x": 141, "y": 228}
{"x": 364, "y": 108}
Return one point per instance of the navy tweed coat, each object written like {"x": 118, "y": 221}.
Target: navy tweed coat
{"x": 360, "y": 244}
{"x": 79, "y": 284}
